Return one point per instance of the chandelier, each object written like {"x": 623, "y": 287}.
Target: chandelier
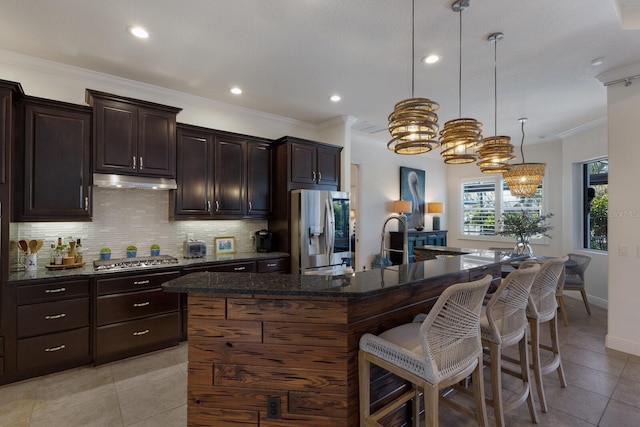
{"x": 495, "y": 151}
{"x": 523, "y": 178}
{"x": 413, "y": 125}
{"x": 460, "y": 137}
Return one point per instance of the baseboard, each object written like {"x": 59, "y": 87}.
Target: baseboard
{"x": 623, "y": 345}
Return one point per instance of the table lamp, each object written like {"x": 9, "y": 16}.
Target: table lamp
{"x": 403, "y": 207}
{"x": 435, "y": 208}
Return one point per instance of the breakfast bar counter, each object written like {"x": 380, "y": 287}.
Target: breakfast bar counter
{"x": 281, "y": 350}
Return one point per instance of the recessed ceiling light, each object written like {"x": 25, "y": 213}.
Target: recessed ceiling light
{"x": 597, "y": 61}
{"x": 139, "y": 32}
{"x": 236, "y": 90}
{"x": 431, "y": 59}
{"x": 335, "y": 98}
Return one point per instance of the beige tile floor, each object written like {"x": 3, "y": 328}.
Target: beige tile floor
{"x": 150, "y": 390}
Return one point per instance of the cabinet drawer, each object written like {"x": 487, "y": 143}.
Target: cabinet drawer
{"x": 53, "y": 349}
{"x": 272, "y": 265}
{"x": 133, "y": 305}
{"x": 27, "y": 294}
{"x": 239, "y": 267}
{"x": 134, "y": 283}
{"x": 126, "y": 336}
{"x": 44, "y": 318}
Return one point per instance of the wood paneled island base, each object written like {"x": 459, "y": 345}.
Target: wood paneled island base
{"x": 289, "y": 358}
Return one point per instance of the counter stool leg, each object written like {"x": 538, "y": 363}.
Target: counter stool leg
{"x": 365, "y": 391}
{"x": 535, "y": 360}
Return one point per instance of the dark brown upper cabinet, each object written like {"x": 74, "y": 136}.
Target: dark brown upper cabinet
{"x": 312, "y": 164}
{"x": 51, "y": 174}
{"x": 221, "y": 175}
{"x": 133, "y": 137}
{"x": 9, "y": 94}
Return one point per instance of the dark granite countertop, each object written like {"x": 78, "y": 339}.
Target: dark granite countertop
{"x": 87, "y": 271}
{"x": 359, "y": 284}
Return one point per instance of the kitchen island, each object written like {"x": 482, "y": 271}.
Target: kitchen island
{"x": 281, "y": 350}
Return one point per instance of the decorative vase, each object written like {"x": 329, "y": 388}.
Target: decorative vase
{"x": 523, "y": 247}
{"x": 155, "y": 252}
{"x": 131, "y": 254}
{"x": 105, "y": 255}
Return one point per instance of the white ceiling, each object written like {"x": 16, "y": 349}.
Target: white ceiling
{"x": 289, "y": 55}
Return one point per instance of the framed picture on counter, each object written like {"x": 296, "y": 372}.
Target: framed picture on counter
{"x": 224, "y": 245}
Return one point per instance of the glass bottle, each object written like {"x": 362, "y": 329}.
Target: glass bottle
{"x": 79, "y": 252}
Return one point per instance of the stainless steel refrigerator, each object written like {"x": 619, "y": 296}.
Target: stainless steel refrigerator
{"x": 320, "y": 241}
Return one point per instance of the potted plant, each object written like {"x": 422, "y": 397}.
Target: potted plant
{"x": 105, "y": 253}
{"x": 155, "y": 249}
{"x": 522, "y": 225}
{"x": 131, "y": 251}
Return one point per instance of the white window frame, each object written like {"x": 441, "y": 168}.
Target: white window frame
{"x": 497, "y": 181}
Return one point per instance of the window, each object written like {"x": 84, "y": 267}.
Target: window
{"x": 596, "y": 206}
{"x": 482, "y": 204}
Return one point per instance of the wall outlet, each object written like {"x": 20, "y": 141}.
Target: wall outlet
{"x": 273, "y": 408}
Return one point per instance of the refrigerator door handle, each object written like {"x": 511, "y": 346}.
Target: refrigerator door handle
{"x": 330, "y": 232}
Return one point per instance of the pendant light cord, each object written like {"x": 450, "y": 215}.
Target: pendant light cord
{"x": 495, "y": 87}
{"x": 413, "y": 44}
{"x": 522, "y": 142}
{"x": 460, "y": 67}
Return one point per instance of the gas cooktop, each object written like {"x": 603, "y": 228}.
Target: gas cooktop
{"x": 138, "y": 262}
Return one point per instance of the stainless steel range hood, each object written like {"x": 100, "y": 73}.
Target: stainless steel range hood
{"x": 126, "y": 181}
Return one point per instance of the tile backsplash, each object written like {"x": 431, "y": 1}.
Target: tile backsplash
{"x": 123, "y": 217}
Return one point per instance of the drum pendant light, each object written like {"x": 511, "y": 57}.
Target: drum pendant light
{"x": 413, "y": 125}
{"x": 496, "y": 151}
{"x": 524, "y": 178}
{"x": 460, "y": 137}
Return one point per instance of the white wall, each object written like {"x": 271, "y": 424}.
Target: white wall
{"x": 379, "y": 184}
{"x": 624, "y": 216}
{"x": 577, "y": 148}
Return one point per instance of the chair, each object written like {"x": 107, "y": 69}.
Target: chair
{"x": 543, "y": 308}
{"x": 437, "y": 353}
{"x": 503, "y": 325}
{"x": 574, "y": 281}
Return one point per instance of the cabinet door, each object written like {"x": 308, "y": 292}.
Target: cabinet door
{"x": 194, "y": 194}
{"x": 230, "y": 173}
{"x": 5, "y": 131}
{"x": 258, "y": 179}
{"x": 328, "y": 169}
{"x": 116, "y": 136}
{"x": 56, "y": 163}
{"x": 303, "y": 163}
{"x": 156, "y": 143}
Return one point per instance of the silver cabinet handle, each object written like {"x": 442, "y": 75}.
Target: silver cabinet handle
{"x": 239, "y": 268}
{"x": 319, "y": 176}
{"x": 55, "y": 291}
{"x": 135, "y": 166}
{"x": 138, "y": 333}
{"x": 141, "y": 282}
{"x": 141, "y": 165}
{"x": 314, "y": 175}
{"x": 250, "y": 206}
{"x": 60, "y": 347}
{"x": 209, "y": 206}
{"x": 217, "y": 206}
{"x": 55, "y": 316}
{"x": 141, "y": 304}
{"x": 272, "y": 265}
{"x": 86, "y": 203}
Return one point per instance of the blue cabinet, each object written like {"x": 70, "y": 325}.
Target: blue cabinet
{"x": 415, "y": 238}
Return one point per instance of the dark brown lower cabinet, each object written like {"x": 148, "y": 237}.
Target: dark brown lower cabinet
{"x": 52, "y": 326}
{"x": 134, "y": 316}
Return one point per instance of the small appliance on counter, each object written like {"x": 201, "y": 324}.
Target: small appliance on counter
{"x": 264, "y": 241}
{"x": 194, "y": 249}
